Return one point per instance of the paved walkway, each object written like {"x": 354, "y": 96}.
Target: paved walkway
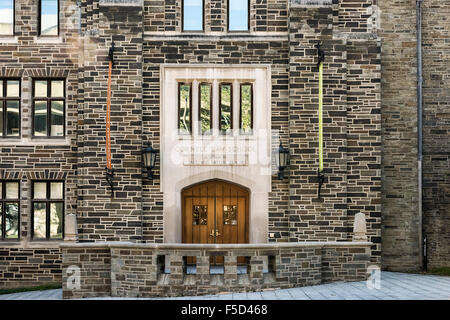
{"x": 393, "y": 286}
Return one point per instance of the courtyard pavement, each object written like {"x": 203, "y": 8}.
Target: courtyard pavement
{"x": 393, "y": 286}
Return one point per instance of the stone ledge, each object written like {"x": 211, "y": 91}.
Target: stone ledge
{"x": 187, "y": 246}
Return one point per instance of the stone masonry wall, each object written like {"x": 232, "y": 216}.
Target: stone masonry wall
{"x": 436, "y": 131}
{"x": 137, "y": 270}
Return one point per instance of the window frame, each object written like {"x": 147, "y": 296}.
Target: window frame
{"x": 248, "y": 18}
{"x": 211, "y": 116}
{"x": 180, "y": 83}
{"x": 203, "y": 18}
{"x": 48, "y": 201}
{"x": 48, "y": 99}
{"x": 224, "y": 132}
{"x": 4, "y": 99}
{"x": 3, "y": 201}
{"x": 39, "y": 18}
{"x": 14, "y": 22}
{"x": 252, "y": 115}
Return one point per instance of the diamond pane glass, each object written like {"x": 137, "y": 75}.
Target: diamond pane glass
{"x": 200, "y": 215}
{"x": 230, "y": 215}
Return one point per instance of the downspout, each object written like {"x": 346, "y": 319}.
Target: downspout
{"x": 422, "y": 236}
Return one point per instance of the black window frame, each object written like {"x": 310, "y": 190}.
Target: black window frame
{"x": 221, "y": 131}
{"x": 179, "y": 108}
{"x": 3, "y": 201}
{"x": 39, "y": 18}
{"x": 47, "y": 201}
{"x": 203, "y": 18}
{"x": 14, "y": 22}
{"x": 228, "y": 18}
{"x": 49, "y": 99}
{"x": 211, "y": 115}
{"x": 4, "y": 99}
{"x": 252, "y": 114}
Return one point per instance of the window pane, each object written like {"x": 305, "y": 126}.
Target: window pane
{"x": 11, "y": 220}
{"x": 230, "y": 215}
{"x": 12, "y": 118}
{"x": 56, "y": 216}
{"x": 200, "y": 215}
{"x": 225, "y": 107}
{"x": 184, "y": 112}
{"x": 1, "y": 215}
{"x": 238, "y": 15}
{"x": 205, "y": 107}
{"x": 6, "y": 17}
{"x": 193, "y": 15}
{"x": 56, "y": 190}
{"x": 12, "y": 190}
{"x": 40, "y": 88}
{"x": 57, "y": 119}
{"x": 57, "y": 89}
{"x": 40, "y": 190}
{"x": 246, "y": 107}
{"x": 39, "y": 211}
{"x": 49, "y": 17}
{"x": 1, "y": 88}
{"x": 1, "y": 118}
{"x": 1, "y": 190}
{"x": 12, "y": 88}
{"x": 40, "y": 118}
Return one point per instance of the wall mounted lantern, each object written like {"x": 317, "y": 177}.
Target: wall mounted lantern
{"x": 283, "y": 161}
{"x": 149, "y": 157}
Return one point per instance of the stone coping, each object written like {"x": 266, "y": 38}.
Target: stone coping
{"x": 189, "y": 246}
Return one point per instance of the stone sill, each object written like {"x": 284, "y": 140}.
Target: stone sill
{"x": 51, "y": 244}
{"x": 188, "y": 246}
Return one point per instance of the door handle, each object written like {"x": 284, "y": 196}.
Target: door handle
{"x": 217, "y": 233}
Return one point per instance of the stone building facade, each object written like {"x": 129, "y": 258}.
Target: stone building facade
{"x": 370, "y": 123}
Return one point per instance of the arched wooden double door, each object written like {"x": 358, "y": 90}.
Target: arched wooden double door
{"x": 215, "y": 212}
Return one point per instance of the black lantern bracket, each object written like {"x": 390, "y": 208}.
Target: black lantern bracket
{"x": 321, "y": 180}
{"x": 109, "y": 179}
{"x": 320, "y": 54}
{"x": 111, "y": 53}
{"x": 149, "y": 159}
{"x": 283, "y": 161}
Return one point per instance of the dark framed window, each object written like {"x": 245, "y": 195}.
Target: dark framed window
{"x": 48, "y": 20}
{"x": 205, "y": 109}
{"x": 7, "y": 15}
{"x": 192, "y": 15}
{"x": 47, "y": 209}
{"x": 10, "y": 108}
{"x": 9, "y": 210}
{"x": 184, "y": 107}
{"x": 238, "y": 15}
{"x": 246, "y": 108}
{"x": 49, "y": 108}
{"x": 225, "y": 107}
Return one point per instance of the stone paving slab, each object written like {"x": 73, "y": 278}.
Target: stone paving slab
{"x": 393, "y": 286}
